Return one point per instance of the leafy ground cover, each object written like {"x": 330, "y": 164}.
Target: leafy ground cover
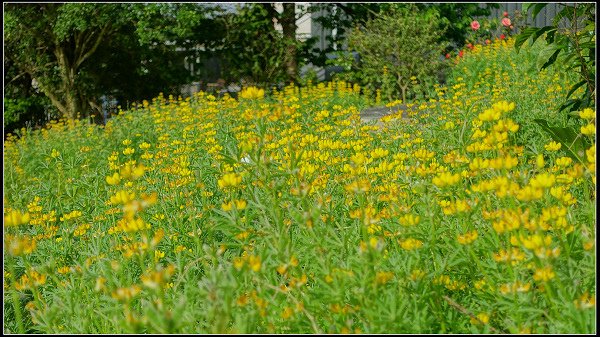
{"x": 284, "y": 213}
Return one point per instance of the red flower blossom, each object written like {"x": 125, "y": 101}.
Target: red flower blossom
{"x": 506, "y": 22}
{"x": 487, "y": 41}
{"x": 505, "y": 14}
{"x": 470, "y": 46}
{"x": 475, "y": 25}
{"x": 448, "y": 55}
{"x": 460, "y": 53}
{"x": 502, "y": 36}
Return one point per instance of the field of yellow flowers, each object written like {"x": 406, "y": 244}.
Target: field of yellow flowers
{"x": 284, "y": 213}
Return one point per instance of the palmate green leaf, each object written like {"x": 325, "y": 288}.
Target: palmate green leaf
{"x": 568, "y": 136}
{"x": 532, "y": 33}
{"x": 524, "y": 36}
{"x": 547, "y": 56}
{"x": 537, "y": 8}
{"x": 575, "y": 87}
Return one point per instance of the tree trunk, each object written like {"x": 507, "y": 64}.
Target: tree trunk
{"x": 288, "y": 23}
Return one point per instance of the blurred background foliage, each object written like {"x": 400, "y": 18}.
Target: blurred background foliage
{"x": 85, "y": 59}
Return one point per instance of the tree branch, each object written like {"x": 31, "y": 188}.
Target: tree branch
{"x": 89, "y": 53}
{"x": 52, "y": 96}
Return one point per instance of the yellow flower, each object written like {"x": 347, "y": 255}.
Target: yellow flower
{"x": 227, "y": 206}
{"x": 230, "y": 180}
{"x": 587, "y": 113}
{"x": 446, "y": 179}
{"x": 589, "y": 130}
{"x": 482, "y": 318}
{"x": 553, "y": 146}
{"x": 115, "y": 179}
{"x": 129, "y": 225}
{"x": 126, "y": 294}
{"x": 132, "y": 172}
{"x": 517, "y": 286}
{"x": 100, "y": 284}
{"x": 238, "y": 263}
{"x": 72, "y": 215}
{"x": 122, "y": 197}
{"x": 585, "y": 301}
{"x": 252, "y": 93}
{"x": 158, "y": 255}
{"x": 410, "y": 244}
{"x": 409, "y": 220}
{"x": 240, "y": 204}
{"x": 16, "y": 218}
{"x": 489, "y": 115}
{"x": 591, "y": 154}
{"x": 417, "y": 274}
{"x": 539, "y": 161}
{"x": 287, "y": 313}
{"x": 19, "y": 245}
{"x": 544, "y": 180}
{"x": 158, "y": 278}
{"x": 467, "y": 238}
{"x": 544, "y": 274}
{"x": 563, "y": 161}
{"x": 383, "y": 277}
{"x": 254, "y": 262}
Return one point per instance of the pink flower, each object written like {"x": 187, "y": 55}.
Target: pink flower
{"x": 487, "y": 41}
{"x": 475, "y": 25}
{"x": 502, "y": 36}
{"x": 505, "y": 14}
{"x": 506, "y": 22}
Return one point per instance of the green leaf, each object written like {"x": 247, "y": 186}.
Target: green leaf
{"x": 537, "y": 8}
{"x": 547, "y": 56}
{"x": 542, "y": 31}
{"x": 524, "y": 36}
{"x": 575, "y": 87}
{"x": 567, "y": 136}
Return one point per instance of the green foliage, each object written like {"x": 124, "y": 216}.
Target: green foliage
{"x": 253, "y": 51}
{"x": 79, "y": 52}
{"x": 399, "y": 52}
{"x": 455, "y": 19}
{"x": 23, "y": 105}
{"x": 493, "y": 28}
{"x": 53, "y": 44}
{"x": 573, "y": 48}
{"x": 575, "y": 144}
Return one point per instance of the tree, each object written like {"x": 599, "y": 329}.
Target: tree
{"x": 77, "y": 53}
{"x": 53, "y": 43}
{"x": 23, "y": 105}
{"x": 253, "y": 50}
